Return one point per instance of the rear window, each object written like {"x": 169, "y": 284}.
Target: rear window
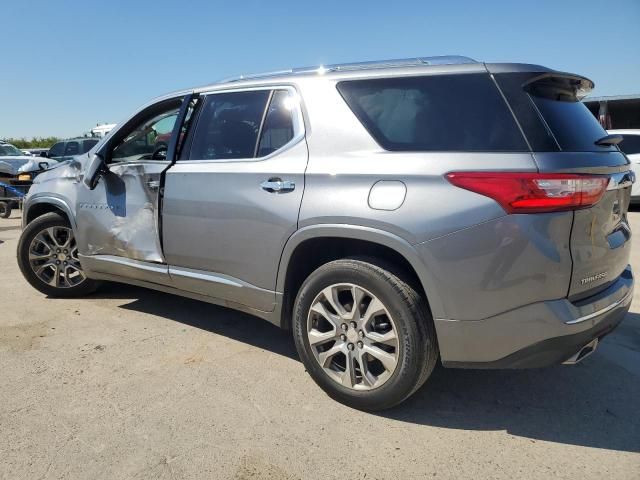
{"x": 563, "y": 122}
{"x": 434, "y": 113}
{"x": 630, "y": 144}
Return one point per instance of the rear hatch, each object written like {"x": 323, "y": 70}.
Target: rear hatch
{"x": 564, "y": 137}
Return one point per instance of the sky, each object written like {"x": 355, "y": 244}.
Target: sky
{"x": 67, "y": 65}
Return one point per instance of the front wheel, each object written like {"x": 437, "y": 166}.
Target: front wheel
{"x": 48, "y": 258}
{"x": 364, "y": 335}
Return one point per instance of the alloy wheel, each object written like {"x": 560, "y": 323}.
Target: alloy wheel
{"x": 53, "y": 257}
{"x": 353, "y": 336}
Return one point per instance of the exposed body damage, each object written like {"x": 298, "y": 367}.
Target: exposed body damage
{"x": 120, "y": 216}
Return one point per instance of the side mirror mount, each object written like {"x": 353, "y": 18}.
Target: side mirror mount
{"x": 94, "y": 170}
{"x": 43, "y": 165}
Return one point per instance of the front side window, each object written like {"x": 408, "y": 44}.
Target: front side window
{"x": 57, "y": 150}
{"x": 228, "y": 125}
{"x": 150, "y": 139}
{"x": 72, "y": 148}
{"x": 434, "y": 113}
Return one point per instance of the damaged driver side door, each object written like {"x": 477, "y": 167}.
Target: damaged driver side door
{"x": 118, "y": 221}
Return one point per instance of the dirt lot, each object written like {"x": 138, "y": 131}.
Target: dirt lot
{"x": 131, "y": 383}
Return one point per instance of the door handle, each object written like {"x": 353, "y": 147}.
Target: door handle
{"x": 153, "y": 184}
{"x": 277, "y": 185}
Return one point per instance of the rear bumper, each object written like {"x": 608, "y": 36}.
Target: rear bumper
{"x": 536, "y": 335}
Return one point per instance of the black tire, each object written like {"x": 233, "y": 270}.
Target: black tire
{"x": 41, "y": 223}
{"x": 5, "y": 210}
{"x": 418, "y": 347}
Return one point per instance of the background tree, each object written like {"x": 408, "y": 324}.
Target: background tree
{"x": 34, "y": 142}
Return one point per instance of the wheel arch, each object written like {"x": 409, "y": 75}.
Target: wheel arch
{"x": 347, "y": 241}
{"x": 38, "y": 206}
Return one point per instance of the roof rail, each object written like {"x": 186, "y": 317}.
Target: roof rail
{"x": 345, "y": 67}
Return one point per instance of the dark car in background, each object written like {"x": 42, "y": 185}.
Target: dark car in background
{"x": 66, "y": 149}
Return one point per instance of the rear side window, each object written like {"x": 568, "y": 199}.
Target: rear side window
{"x": 434, "y": 113}
{"x": 630, "y": 144}
{"x": 229, "y": 125}
{"x": 277, "y": 130}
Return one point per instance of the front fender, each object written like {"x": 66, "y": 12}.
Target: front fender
{"x": 369, "y": 234}
{"x": 51, "y": 199}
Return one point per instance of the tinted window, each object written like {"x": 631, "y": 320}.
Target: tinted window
{"x": 573, "y": 125}
{"x": 228, "y": 125}
{"x": 72, "y": 148}
{"x": 57, "y": 150}
{"x": 88, "y": 145}
{"x": 277, "y": 130}
{"x": 436, "y": 113}
{"x": 630, "y": 144}
{"x": 561, "y": 115}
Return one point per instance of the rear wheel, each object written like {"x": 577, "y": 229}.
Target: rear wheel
{"x": 5, "y": 210}
{"x": 48, "y": 258}
{"x": 364, "y": 335}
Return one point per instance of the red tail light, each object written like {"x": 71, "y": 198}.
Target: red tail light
{"x": 530, "y": 192}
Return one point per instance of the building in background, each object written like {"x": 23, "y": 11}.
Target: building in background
{"x": 616, "y": 112}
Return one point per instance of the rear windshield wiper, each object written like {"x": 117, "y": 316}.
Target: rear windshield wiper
{"x": 608, "y": 140}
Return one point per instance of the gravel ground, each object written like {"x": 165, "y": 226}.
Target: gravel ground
{"x": 130, "y": 383}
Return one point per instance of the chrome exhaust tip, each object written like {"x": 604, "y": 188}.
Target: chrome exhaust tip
{"x": 583, "y": 353}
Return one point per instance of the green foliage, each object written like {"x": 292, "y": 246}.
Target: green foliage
{"x": 35, "y": 142}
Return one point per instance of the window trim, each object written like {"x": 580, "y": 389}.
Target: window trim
{"x": 297, "y": 117}
{"x": 262, "y": 120}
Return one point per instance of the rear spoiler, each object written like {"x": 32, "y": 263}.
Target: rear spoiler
{"x": 543, "y": 80}
{"x": 567, "y": 85}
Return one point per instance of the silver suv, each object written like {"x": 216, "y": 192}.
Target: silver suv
{"x": 390, "y": 214}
